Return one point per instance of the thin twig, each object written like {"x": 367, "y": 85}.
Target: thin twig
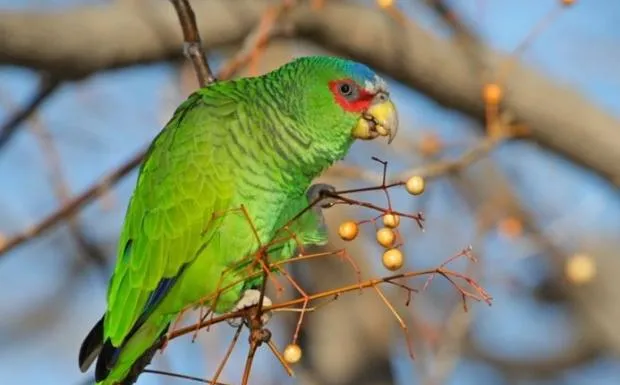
{"x": 326, "y": 294}
{"x": 256, "y": 40}
{"x": 47, "y": 86}
{"x": 470, "y": 40}
{"x": 231, "y": 346}
{"x": 400, "y": 320}
{"x": 248, "y": 364}
{"x": 511, "y": 61}
{"x": 429, "y": 171}
{"x": 193, "y": 46}
{"x": 432, "y": 170}
{"x": 183, "y": 376}
{"x": 278, "y": 355}
{"x": 61, "y": 190}
{"x": 443, "y": 167}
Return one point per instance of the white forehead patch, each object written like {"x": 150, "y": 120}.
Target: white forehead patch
{"x": 379, "y": 85}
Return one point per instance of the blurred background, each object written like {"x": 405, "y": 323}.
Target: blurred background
{"x": 85, "y": 85}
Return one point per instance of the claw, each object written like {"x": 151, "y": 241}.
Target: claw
{"x": 250, "y": 298}
{"x": 319, "y": 190}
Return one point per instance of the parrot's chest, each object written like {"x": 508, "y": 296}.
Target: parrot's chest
{"x": 261, "y": 216}
{"x": 250, "y": 223}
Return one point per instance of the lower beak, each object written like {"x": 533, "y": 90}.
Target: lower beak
{"x": 380, "y": 119}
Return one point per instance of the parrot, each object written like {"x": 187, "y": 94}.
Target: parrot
{"x": 233, "y": 165}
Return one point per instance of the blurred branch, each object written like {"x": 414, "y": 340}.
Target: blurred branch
{"x": 45, "y": 310}
{"x": 47, "y": 86}
{"x": 450, "y": 18}
{"x": 569, "y": 358}
{"x": 72, "y": 206}
{"x": 267, "y": 28}
{"x": 453, "y": 331}
{"x": 484, "y": 186}
{"x": 58, "y": 181}
{"x": 449, "y": 346}
{"x": 431, "y": 170}
{"x": 443, "y": 167}
{"x": 363, "y": 355}
{"x": 471, "y": 43}
{"x": 558, "y": 117}
{"x": 591, "y": 327}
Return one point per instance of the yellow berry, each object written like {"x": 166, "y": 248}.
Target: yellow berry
{"x": 580, "y": 269}
{"x": 415, "y": 185}
{"x": 391, "y": 220}
{"x": 385, "y": 237}
{"x": 392, "y": 259}
{"x": 492, "y": 93}
{"x": 385, "y": 3}
{"x": 348, "y": 230}
{"x": 292, "y": 353}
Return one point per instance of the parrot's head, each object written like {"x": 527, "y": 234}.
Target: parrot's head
{"x": 346, "y": 100}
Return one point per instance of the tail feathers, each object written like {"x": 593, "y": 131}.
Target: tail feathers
{"x": 107, "y": 358}
{"x": 144, "y": 360}
{"x": 94, "y": 348}
{"x": 92, "y": 345}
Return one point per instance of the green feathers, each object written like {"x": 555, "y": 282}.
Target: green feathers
{"x": 255, "y": 143}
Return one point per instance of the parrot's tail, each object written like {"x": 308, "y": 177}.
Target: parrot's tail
{"x": 91, "y": 346}
{"x": 107, "y": 356}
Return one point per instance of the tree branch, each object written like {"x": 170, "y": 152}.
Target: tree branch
{"x": 47, "y": 86}
{"x": 558, "y": 117}
{"x": 72, "y": 206}
{"x": 463, "y": 33}
{"x": 193, "y": 46}
{"x": 61, "y": 189}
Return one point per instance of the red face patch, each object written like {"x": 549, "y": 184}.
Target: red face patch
{"x": 349, "y": 95}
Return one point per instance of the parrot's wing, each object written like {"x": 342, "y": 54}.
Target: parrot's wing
{"x": 181, "y": 184}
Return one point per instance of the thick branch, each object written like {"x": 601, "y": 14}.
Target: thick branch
{"x": 97, "y": 38}
{"x": 558, "y": 117}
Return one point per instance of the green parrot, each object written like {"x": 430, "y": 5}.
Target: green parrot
{"x": 255, "y": 143}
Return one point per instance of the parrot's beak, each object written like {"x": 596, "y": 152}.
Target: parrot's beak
{"x": 380, "y": 119}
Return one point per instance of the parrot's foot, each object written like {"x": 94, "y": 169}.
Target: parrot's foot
{"x": 250, "y": 298}
{"x": 321, "y": 190}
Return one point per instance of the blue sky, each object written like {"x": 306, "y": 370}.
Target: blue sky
{"x": 100, "y": 122}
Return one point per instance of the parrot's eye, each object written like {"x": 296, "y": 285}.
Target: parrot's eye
{"x": 349, "y": 95}
{"x": 348, "y": 90}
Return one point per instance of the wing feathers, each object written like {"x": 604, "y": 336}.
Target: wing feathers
{"x": 169, "y": 210}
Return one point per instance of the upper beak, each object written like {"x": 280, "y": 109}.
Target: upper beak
{"x": 380, "y": 119}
